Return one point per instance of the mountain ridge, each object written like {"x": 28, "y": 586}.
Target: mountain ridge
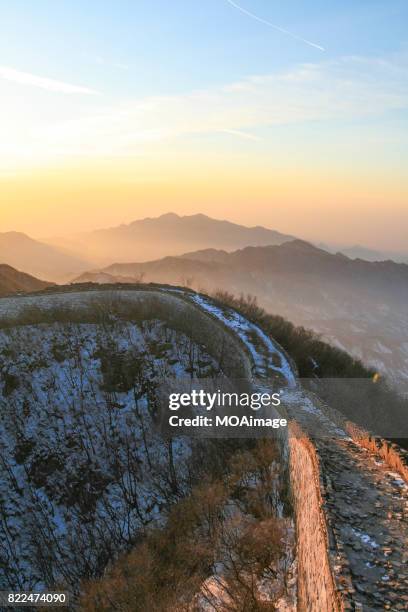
{"x": 169, "y": 234}
{"x": 358, "y": 305}
{"x": 252, "y": 255}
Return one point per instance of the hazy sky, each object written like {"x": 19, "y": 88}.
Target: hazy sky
{"x": 288, "y": 114}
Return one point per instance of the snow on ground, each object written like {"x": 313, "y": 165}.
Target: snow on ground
{"x": 82, "y": 467}
{"x": 65, "y": 400}
{"x": 365, "y": 538}
{"x": 263, "y": 351}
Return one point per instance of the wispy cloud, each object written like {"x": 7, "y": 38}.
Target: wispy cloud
{"x": 26, "y": 78}
{"x": 330, "y": 91}
{"x": 274, "y": 26}
{"x": 333, "y": 90}
{"x": 99, "y": 59}
{"x": 241, "y": 134}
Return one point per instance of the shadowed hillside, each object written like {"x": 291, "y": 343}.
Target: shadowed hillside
{"x": 13, "y": 281}
{"x": 358, "y": 305}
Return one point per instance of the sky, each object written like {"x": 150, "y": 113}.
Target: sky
{"x": 287, "y": 114}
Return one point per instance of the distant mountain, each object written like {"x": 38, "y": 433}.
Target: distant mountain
{"x": 361, "y": 252}
{"x": 13, "y": 281}
{"x": 207, "y": 255}
{"x": 359, "y": 305}
{"x": 170, "y": 234}
{"x": 298, "y": 261}
{"x": 40, "y": 259}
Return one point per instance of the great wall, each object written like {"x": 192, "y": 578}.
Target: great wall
{"x": 349, "y": 489}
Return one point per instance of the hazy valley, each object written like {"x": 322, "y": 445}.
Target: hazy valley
{"x": 169, "y": 234}
{"x": 358, "y": 305}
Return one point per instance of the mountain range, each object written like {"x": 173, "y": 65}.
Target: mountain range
{"x": 360, "y": 252}
{"x": 62, "y": 259}
{"x": 356, "y": 304}
{"x": 169, "y": 234}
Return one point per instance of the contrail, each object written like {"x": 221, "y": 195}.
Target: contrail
{"x": 275, "y": 27}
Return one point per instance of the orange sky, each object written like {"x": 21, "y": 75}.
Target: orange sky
{"x": 320, "y": 204}
{"x": 314, "y": 149}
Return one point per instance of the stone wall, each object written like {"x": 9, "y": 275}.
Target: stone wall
{"x": 220, "y": 342}
{"x": 316, "y": 587}
{"x": 324, "y": 583}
